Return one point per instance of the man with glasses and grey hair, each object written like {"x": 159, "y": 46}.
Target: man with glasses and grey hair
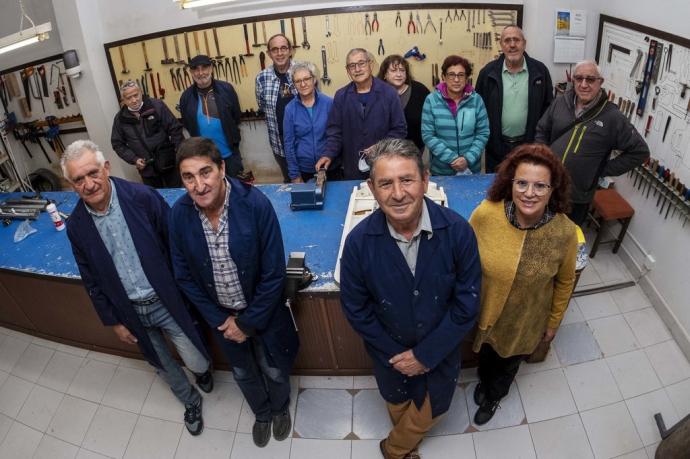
{"x": 274, "y": 90}
{"x": 146, "y": 134}
{"x": 119, "y": 236}
{"x": 364, "y": 112}
{"x": 409, "y": 285}
{"x": 582, "y": 127}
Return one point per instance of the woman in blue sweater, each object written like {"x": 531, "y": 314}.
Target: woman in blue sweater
{"x": 455, "y": 126}
{"x": 304, "y": 124}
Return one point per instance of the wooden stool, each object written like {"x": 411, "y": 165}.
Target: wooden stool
{"x": 608, "y": 205}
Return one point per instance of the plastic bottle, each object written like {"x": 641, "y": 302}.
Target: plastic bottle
{"x": 55, "y": 216}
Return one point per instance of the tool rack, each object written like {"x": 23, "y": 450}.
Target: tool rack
{"x": 672, "y": 197}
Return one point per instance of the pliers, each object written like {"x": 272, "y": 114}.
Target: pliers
{"x": 227, "y": 69}
{"x": 448, "y": 18}
{"x": 236, "y": 70}
{"x": 367, "y": 25}
{"x": 381, "y": 51}
{"x": 462, "y": 15}
{"x": 375, "y": 24}
{"x": 398, "y": 21}
{"x": 429, "y": 22}
{"x": 411, "y": 28}
{"x": 243, "y": 67}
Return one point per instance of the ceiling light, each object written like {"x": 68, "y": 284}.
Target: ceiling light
{"x": 24, "y": 37}
{"x": 185, "y": 4}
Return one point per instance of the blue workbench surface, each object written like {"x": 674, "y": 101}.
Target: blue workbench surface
{"x": 316, "y": 232}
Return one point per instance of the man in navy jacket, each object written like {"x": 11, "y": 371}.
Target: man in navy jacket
{"x": 228, "y": 259}
{"x": 119, "y": 236}
{"x": 410, "y": 282}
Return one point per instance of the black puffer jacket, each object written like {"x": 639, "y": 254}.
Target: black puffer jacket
{"x": 156, "y": 125}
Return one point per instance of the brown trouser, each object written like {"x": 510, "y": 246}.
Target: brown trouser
{"x": 409, "y": 427}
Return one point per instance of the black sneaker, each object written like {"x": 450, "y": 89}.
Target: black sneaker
{"x": 205, "y": 381}
{"x": 282, "y": 425}
{"x": 485, "y": 412}
{"x": 261, "y": 433}
{"x": 192, "y": 418}
{"x": 479, "y": 394}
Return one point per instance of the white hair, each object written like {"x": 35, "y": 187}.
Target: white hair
{"x": 304, "y": 65}
{"x": 588, "y": 62}
{"x": 76, "y": 150}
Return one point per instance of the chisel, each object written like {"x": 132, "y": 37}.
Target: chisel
{"x": 122, "y": 60}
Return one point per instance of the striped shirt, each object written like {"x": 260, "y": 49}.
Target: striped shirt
{"x": 225, "y": 276}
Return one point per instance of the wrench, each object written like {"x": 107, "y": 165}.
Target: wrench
{"x": 305, "y": 43}
{"x": 324, "y": 60}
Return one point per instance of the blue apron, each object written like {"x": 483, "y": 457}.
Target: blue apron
{"x": 211, "y": 128}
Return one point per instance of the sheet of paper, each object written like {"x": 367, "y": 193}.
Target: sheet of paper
{"x": 568, "y": 50}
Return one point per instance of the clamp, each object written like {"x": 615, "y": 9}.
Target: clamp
{"x": 367, "y": 25}
{"x": 375, "y": 23}
{"x": 411, "y": 28}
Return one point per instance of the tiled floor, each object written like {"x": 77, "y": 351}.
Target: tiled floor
{"x": 612, "y": 366}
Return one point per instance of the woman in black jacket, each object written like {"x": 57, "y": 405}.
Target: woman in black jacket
{"x": 396, "y": 71}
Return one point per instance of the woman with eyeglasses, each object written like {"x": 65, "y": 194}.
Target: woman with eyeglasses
{"x": 528, "y": 249}
{"x": 396, "y": 72}
{"x": 455, "y": 126}
{"x": 304, "y": 124}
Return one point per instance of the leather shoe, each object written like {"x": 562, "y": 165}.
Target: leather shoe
{"x": 485, "y": 412}
{"x": 282, "y": 424}
{"x": 479, "y": 394}
{"x": 382, "y": 447}
{"x": 261, "y": 433}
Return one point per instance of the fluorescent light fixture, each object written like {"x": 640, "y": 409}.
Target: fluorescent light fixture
{"x": 184, "y": 4}
{"x": 25, "y": 37}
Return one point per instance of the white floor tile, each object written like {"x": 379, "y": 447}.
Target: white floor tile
{"x": 651, "y": 450}
{"x": 611, "y": 430}
{"x": 549, "y": 363}
{"x": 630, "y": 299}
{"x": 669, "y": 362}
{"x": 86, "y": 454}
{"x": 128, "y": 389}
{"x": 72, "y": 419}
{"x": 32, "y": 362}
{"x": 45, "y": 342}
{"x": 546, "y": 395}
{"x": 572, "y": 314}
{"x": 161, "y": 403}
{"x": 638, "y": 454}
{"x": 244, "y": 448}
{"x": 511, "y": 442}
{"x": 609, "y": 266}
{"x": 5, "y": 424}
{"x": 647, "y": 326}
{"x": 679, "y": 394}
{"x": 211, "y": 444}
{"x": 575, "y": 343}
{"x": 153, "y": 439}
{"x": 78, "y": 351}
{"x": 456, "y": 420}
{"x": 40, "y": 407}
{"x": 92, "y": 380}
{"x": 370, "y": 418}
{"x": 468, "y": 375}
{"x": 103, "y": 357}
{"x": 222, "y": 406}
{"x": 597, "y": 305}
{"x": 613, "y": 334}
{"x": 509, "y": 413}
{"x": 52, "y": 448}
{"x": 11, "y": 348}
{"x": 138, "y": 364}
{"x": 110, "y": 431}
{"x": 20, "y": 442}
{"x": 447, "y": 447}
{"x": 247, "y": 417}
{"x": 324, "y": 413}
{"x": 592, "y": 385}
{"x": 365, "y": 382}
{"x": 642, "y": 410}
{"x": 633, "y": 373}
{"x": 588, "y": 279}
{"x": 367, "y": 449}
{"x": 326, "y": 382}
{"x": 3, "y": 377}
{"x": 13, "y": 394}
{"x": 60, "y": 371}
{"x": 303, "y": 448}
{"x": 561, "y": 438}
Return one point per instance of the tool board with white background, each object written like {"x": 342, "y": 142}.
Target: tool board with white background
{"x": 657, "y": 100}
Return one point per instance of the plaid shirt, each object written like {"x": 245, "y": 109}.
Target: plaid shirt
{"x": 228, "y": 287}
{"x": 512, "y": 218}
{"x": 267, "y": 90}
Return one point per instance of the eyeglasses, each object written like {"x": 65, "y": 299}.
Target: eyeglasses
{"x": 357, "y": 65}
{"x": 589, "y": 79}
{"x": 539, "y": 188}
{"x": 303, "y": 81}
{"x": 282, "y": 49}
{"x": 455, "y": 76}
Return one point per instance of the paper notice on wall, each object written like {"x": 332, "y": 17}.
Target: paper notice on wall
{"x": 571, "y": 23}
{"x": 568, "y": 50}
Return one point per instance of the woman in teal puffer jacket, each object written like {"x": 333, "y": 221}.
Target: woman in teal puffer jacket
{"x": 455, "y": 126}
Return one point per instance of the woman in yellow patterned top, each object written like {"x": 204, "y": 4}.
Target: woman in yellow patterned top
{"x": 528, "y": 249}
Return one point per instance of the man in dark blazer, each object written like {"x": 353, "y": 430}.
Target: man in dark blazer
{"x": 409, "y": 285}
{"x": 119, "y": 237}
{"x": 228, "y": 258}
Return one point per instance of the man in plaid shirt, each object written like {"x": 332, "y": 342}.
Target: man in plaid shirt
{"x": 274, "y": 89}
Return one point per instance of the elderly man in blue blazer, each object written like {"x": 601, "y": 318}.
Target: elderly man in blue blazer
{"x": 229, "y": 260}
{"x": 119, "y": 236}
{"x": 410, "y": 283}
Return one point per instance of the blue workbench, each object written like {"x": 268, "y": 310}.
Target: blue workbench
{"x": 316, "y": 232}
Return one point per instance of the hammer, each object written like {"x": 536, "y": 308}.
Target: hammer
{"x": 246, "y": 41}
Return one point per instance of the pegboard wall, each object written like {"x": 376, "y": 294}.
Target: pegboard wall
{"x": 648, "y": 73}
{"x": 470, "y": 30}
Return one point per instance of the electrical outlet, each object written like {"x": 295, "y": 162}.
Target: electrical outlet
{"x": 649, "y": 262}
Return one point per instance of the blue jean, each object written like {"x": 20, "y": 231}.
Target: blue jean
{"x": 266, "y": 389}
{"x": 157, "y": 320}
